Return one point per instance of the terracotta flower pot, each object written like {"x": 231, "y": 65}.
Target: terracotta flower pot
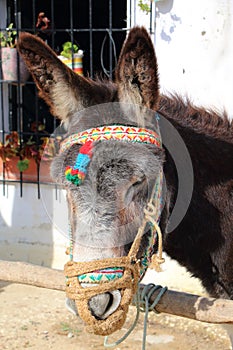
{"x": 12, "y": 172}
{"x": 9, "y": 66}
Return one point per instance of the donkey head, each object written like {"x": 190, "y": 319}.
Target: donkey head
{"x": 107, "y": 207}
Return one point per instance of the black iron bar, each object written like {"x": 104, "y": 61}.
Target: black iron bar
{"x": 110, "y": 39}
{"x": 90, "y": 38}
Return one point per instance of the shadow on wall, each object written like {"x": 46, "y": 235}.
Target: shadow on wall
{"x": 27, "y": 232}
{"x": 165, "y": 6}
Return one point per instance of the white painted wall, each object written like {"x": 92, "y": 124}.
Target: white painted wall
{"x": 195, "y": 50}
{"x": 31, "y": 229}
{"x": 194, "y": 46}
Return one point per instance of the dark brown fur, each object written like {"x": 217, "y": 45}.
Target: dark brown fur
{"x": 203, "y": 242}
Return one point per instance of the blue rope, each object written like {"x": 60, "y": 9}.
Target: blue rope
{"x": 117, "y": 342}
{"x": 142, "y": 301}
{"x": 145, "y": 305}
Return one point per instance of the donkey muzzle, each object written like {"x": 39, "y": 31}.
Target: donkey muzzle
{"x": 109, "y": 300}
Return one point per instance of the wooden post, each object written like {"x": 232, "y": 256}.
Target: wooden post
{"x": 192, "y": 306}
{"x": 40, "y": 276}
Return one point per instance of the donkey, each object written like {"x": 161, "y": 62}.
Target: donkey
{"x": 107, "y": 202}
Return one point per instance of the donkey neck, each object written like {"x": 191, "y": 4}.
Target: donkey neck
{"x": 208, "y": 138}
{"x": 207, "y": 135}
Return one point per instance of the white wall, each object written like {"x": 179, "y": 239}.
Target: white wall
{"x": 31, "y": 229}
{"x": 194, "y": 46}
{"x": 195, "y": 50}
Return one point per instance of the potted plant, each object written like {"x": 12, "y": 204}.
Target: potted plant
{"x": 11, "y": 63}
{"x": 72, "y": 56}
{"x": 25, "y": 157}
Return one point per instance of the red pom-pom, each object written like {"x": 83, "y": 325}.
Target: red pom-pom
{"x": 74, "y": 171}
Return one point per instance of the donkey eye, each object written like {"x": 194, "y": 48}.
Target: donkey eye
{"x": 139, "y": 182}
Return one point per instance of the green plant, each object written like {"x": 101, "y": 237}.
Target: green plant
{"x": 27, "y": 150}
{"x": 144, "y": 5}
{"x": 8, "y": 37}
{"x": 68, "y": 49}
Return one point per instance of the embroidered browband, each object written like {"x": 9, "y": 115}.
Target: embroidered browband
{"x": 116, "y": 132}
{"x": 76, "y": 174}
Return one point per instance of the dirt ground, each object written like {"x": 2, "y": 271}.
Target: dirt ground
{"x": 36, "y": 318}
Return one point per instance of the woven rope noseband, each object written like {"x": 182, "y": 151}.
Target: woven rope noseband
{"x": 128, "y": 267}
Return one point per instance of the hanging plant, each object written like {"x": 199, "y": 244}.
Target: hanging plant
{"x": 27, "y": 150}
{"x": 12, "y": 147}
{"x": 24, "y": 157}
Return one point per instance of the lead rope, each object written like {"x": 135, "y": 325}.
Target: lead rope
{"x": 117, "y": 342}
{"x": 145, "y": 305}
{"x": 142, "y": 301}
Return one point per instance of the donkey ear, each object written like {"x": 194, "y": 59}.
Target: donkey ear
{"x": 62, "y": 89}
{"x": 137, "y": 71}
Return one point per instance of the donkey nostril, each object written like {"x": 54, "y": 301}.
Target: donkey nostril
{"x": 99, "y": 304}
{"x": 110, "y": 301}
{"x": 103, "y": 305}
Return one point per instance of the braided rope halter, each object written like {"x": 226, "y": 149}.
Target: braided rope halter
{"x": 121, "y": 273}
